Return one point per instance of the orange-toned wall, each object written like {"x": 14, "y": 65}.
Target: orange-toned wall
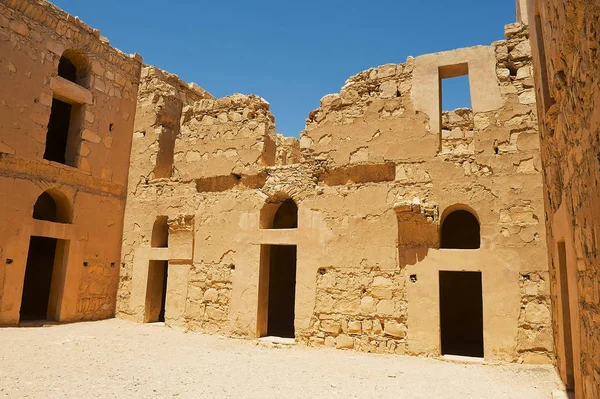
{"x": 33, "y": 36}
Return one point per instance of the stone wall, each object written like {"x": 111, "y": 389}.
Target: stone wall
{"x": 565, "y": 41}
{"x": 374, "y": 178}
{"x": 91, "y": 186}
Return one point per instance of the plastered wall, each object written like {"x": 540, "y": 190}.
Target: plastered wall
{"x": 375, "y": 172}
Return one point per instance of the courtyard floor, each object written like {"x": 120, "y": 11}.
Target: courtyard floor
{"x": 119, "y": 359}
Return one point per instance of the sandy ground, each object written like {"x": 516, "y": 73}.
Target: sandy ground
{"x": 119, "y": 359}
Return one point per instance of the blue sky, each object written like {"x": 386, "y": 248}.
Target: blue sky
{"x": 290, "y": 52}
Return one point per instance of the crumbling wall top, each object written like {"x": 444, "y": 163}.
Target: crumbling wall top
{"x": 68, "y": 30}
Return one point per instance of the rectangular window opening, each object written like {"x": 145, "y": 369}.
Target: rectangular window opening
{"x": 62, "y": 137}
{"x": 456, "y": 110}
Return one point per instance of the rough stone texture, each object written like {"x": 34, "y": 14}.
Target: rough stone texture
{"x": 374, "y": 175}
{"x": 373, "y": 183}
{"x": 92, "y": 190}
{"x": 565, "y": 37}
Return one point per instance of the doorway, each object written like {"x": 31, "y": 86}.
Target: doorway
{"x": 566, "y": 316}
{"x": 461, "y": 313}
{"x": 38, "y": 278}
{"x": 277, "y": 291}
{"x": 156, "y": 292}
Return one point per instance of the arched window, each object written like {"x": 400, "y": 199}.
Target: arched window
{"x": 160, "y": 233}
{"x": 279, "y": 215}
{"x": 460, "y": 230}
{"x": 67, "y": 70}
{"x": 53, "y": 206}
{"x": 74, "y": 66}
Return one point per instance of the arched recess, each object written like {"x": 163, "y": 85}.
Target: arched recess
{"x": 460, "y": 228}
{"x": 160, "y": 233}
{"x": 281, "y": 214}
{"x": 74, "y": 66}
{"x": 53, "y": 206}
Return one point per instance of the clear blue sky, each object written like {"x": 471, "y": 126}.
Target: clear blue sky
{"x": 290, "y": 52}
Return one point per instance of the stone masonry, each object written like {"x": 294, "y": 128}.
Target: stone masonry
{"x": 130, "y": 192}
{"x": 87, "y": 188}
{"x": 565, "y": 41}
{"x": 374, "y": 174}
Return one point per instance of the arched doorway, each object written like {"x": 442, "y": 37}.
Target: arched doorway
{"x": 158, "y": 272}
{"x": 46, "y": 256}
{"x": 277, "y": 290}
{"x": 461, "y": 292}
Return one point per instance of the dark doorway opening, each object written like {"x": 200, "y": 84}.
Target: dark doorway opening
{"x": 58, "y": 131}
{"x": 566, "y": 316}
{"x": 156, "y": 293}
{"x": 163, "y": 297}
{"x": 38, "y": 278}
{"x": 461, "y": 313}
{"x": 460, "y": 230}
{"x": 282, "y": 291}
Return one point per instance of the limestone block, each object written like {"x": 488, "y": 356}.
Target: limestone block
{"x": 215, "y": 313}
{"x": 502, "y": 53}
{"x": 19, "y": 27}
{"x": 395, "y": 329}
{"x": 524, "y": 72}
{"x": 354, "y": 327}
{"x": 330, "y": 342}
{"x": 344, "y": 342}
{"x": 368, "y": 305}
{"x": 382, "y": 288}
{"x": 90, "y": 136}
{"x": 211, "y": 295}
{"x": 330, "y": 326}
{"x": 527, "y": 97}
{"x": 55, "y": 47}
{"x": 537, "y": 313}
{"x": 385, "y": 307}
{"x": 521, "y": 51}
{"x": 388, "y": 89}
{"x": 70, "y": 92}
{"x": 181, "y": 245}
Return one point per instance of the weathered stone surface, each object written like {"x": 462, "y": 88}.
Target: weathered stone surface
{"x": 87, "y": 182}
{"x": 565, "y": 39}
{"x": 372, "y": 180}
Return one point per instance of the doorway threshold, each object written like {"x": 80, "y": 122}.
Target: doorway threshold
{"x": 462, "y": 359}
{"x": 37, "y": 323}
{"x": 277, "y": 340}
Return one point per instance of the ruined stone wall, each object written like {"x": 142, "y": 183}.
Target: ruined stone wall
{"x": 374, "y": 175}
{"x": 565, "y": 41}
{"x": 33, "y": 37}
